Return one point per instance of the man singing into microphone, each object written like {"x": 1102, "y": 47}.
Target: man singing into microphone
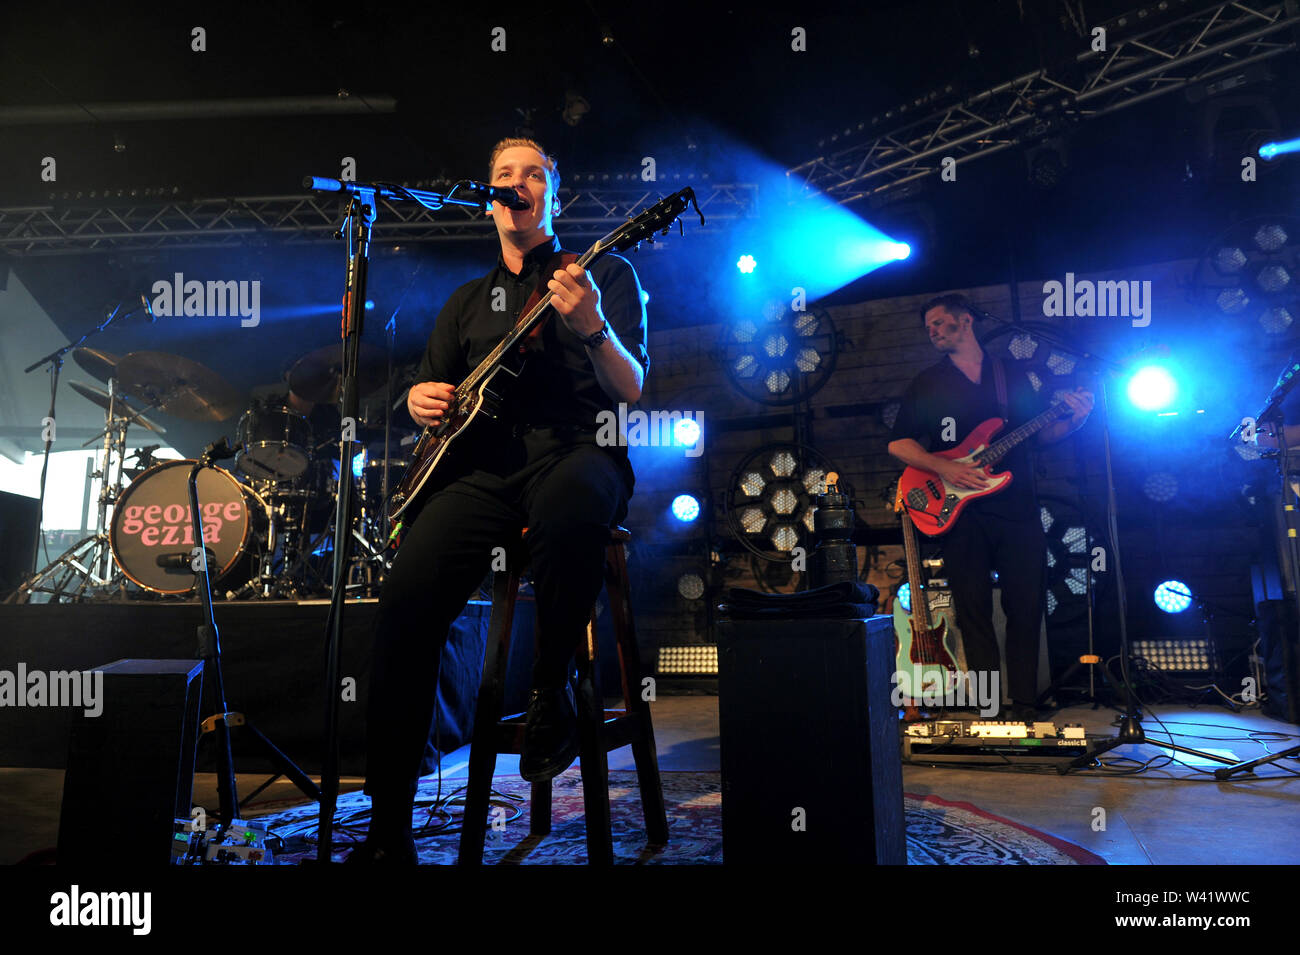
{"x": 540, "y": 468}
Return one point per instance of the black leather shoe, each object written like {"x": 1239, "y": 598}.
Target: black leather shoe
{"x": 550, "y": 734}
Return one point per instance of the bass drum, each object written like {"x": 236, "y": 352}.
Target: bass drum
{"x": 152, "y": 520}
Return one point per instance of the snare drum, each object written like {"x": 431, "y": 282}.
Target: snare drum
{"x": 152, "y": 520}
{"x": 277, "y": 443}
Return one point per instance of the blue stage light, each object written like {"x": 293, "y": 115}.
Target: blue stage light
{"x": 899, "y": 250}
{"x": 686, "y": 432}
{"x": 370, "y": 305}
{"x": 746, "y": 264}
{"x": 1152, "y": 388}
{"x": 685, "y": 508}
{"x": 1273, "y": 150}
{"x": 1173, "y": 596}
{"x": 904, "y": 597}
{"x": 645, "y": 297}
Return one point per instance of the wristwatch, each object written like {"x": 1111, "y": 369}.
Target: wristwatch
{"x": 598, "y": 337}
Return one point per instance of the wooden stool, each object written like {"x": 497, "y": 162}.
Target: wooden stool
{"x": 599, "y": 730}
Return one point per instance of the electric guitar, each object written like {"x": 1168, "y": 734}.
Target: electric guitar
{"x": 934, "y": 504}
{"x": 925, "y": 658}
{"x": 483, "y": 392}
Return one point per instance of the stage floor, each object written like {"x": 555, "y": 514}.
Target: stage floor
{"x": 1164, "y": 816}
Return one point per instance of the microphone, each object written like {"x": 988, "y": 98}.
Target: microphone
{"x": 507, "y": 197}
{"x": 219, "y": 450}
{"x": 182, "y": 559}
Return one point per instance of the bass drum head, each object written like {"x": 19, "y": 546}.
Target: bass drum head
{"x": 152, "y": 520}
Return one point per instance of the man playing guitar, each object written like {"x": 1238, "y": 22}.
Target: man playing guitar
{"x": 1001, "y": 532}
{"x": 538, "y": 467}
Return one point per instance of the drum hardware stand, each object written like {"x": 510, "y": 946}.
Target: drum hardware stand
{"x": 209, "y": 644}
{"x": 55, "y": 360}
{"x": 89, "y": 562}
{"x": 1130, "y": 727}
{"x": 356, "y": 227}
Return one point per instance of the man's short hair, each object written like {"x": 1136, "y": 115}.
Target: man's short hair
{"x": 548, "y": 161}
{"x": 954, "y": 303}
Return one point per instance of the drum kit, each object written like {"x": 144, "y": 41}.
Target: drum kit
{"x": 269, "y": 523}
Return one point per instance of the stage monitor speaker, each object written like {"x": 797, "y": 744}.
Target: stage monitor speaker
{"x": 1276, "y": 622}
{"x": 811, "y": 760}
{"x": 131, "y": 768}
{"x": 20, "y": 519}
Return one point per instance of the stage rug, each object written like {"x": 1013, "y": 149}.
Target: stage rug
{"x": 939, "y": 832}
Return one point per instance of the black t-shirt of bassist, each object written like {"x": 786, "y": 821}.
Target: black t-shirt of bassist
{"x": 943, "y": 391}
{"x": 558, "y": 387}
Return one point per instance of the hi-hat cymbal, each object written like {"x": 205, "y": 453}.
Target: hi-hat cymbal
{"x": 179, "y": 386}
{"x": 123, "y": 407}
{"x": 96, "y": 362}
{"x": 318, "y": 376}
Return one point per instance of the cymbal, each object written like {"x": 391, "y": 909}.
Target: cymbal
{"x": 318, "y": 376}
{"x": 123, "y": 407}
{"x": 179, "y": 386}
{"x": 98, "y": 363}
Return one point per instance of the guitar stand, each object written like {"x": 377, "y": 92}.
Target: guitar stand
{"x": 217, "y": 726}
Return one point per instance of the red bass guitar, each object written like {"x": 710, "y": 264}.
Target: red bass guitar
{"x": 934, "y": 505}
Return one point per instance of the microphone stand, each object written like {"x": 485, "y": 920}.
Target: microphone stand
{"x": 209, "y": 642}
{"x": 1130, "y": 729}
{"x": 1272, "y": 413}
{"x": 357, "y": 227}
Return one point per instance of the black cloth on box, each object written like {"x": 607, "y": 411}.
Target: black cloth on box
{"x": 846, "y": 599}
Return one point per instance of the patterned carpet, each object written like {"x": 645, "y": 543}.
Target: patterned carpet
{"x": 939, "y": 832}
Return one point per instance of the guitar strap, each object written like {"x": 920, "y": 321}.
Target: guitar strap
{"x": 558, "y": 261}
{"x": 1000, "y": 385}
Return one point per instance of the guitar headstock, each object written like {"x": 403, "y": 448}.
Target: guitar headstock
{"x": 657, "y": 219}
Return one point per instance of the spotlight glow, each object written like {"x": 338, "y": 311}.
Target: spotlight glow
{"x": 746, "y": 264}
{"x": 685, "y": 508}
{"x": 1173, "y": 596}
{"x": 686, "y": 432}
{"x": 1152, "y": 388}
{"x": 904, "y": 597}
{"x": 1273, "y": 150}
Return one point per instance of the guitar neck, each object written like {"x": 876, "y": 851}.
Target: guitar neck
{"x": 998, "y": 448}
{"x": 519, "y": 332}
{"x": 920, "y": 606}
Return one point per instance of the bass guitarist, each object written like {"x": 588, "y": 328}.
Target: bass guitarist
{"x": 1001, "y": 532}
{"x": 539, "y": 467}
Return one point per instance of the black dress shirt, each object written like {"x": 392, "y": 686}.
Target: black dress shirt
{"x": 558, "y": 387}
{"x": 943, "y": 391}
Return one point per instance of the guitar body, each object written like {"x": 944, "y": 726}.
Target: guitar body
{"x": 935, "y": 505}
{"x": 437, "y": 442}
{"x": 925, "y": 660}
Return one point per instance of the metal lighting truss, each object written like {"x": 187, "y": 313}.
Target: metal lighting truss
{"x": 1193, "y": 48}
{"x": 119, "y": 223}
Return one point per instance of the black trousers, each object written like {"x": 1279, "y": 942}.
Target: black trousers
{"x": 567, "y": 491}
{"x": 1016, "y": 548}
